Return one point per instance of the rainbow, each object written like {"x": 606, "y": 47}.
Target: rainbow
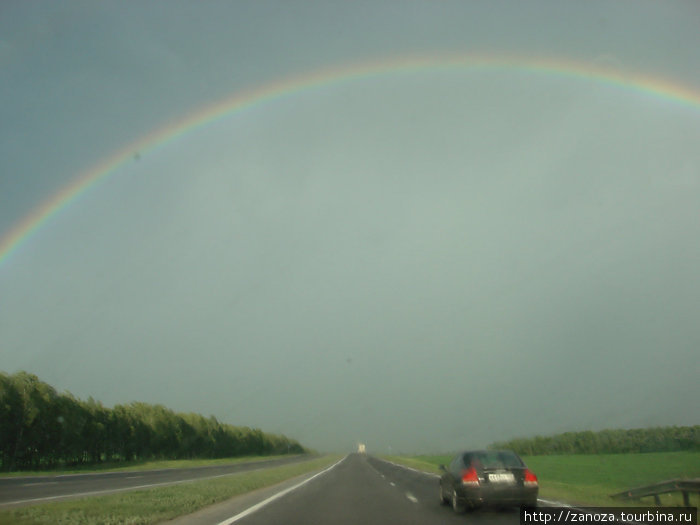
{"x": 646, "y": 84}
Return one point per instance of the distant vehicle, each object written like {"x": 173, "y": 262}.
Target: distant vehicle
{"x": 487, "y": 478}
{"x": 361, "y": 449}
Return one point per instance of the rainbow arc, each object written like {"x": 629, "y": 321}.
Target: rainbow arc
{"x": 652, "y": 86}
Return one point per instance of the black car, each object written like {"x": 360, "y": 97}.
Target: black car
{"x": 487, "y": 478}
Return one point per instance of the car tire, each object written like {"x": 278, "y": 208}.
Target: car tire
{"x": 458, "y": 507}
{"x": 443, "y": 499}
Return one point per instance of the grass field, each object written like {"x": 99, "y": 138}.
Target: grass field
{"x": 154, "y": 505}
{"x": 588, "y": 479}
{"x": 141, "y": 465}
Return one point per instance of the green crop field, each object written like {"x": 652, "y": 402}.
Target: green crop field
{"x": 589, "y": 479}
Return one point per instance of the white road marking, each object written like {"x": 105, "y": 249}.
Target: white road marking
{"x": 40, "y": 483}
{"x": 549, "y": 503}
{"x": 411, "y": 497}
{"x": 392, "y": 483}
{"x": 112, "y": 473}
{"x": 133, "y": 477}
{"x": 410, "y": 468}
{"x": 555, "y": 503}
{"x": 272, "y": 498}
{"x": 114, "y": 491}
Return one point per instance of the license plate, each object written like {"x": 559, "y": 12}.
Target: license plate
{"x": 504, "y": 477}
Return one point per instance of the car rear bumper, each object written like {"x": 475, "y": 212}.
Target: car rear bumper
{"x": 485, "y": 496}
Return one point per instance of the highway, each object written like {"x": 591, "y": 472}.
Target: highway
{"x": 27, "y": 490}
{"x": 358, "y": 489}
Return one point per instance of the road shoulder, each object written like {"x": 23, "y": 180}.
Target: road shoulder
{"x": 226, "y": 509}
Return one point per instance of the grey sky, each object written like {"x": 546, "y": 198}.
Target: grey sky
{"x": 422, "y": 261}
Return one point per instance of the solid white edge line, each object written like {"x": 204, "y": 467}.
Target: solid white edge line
{"x": 124, "y": 489}
{"x": 566, "y": 505}
{"x": 555, "y": 503}
{"x": 562, "y": 504}
{"x": 272, "y": 498}
{"x": 409, "y": 468}
{"x": 116, "y": 472}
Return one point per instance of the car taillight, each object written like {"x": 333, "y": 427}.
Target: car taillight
{"x": 470, "y": 477}
{"x": 530, "y": 479}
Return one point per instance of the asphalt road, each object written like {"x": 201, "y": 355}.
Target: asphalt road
{"x": 41, "y": 489}
{"x": 363, "y": 489}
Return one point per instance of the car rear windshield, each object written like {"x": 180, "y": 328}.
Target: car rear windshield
{"x": 495, "y": 459}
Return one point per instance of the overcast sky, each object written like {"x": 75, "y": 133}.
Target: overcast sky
{"x": 422, "y": 260}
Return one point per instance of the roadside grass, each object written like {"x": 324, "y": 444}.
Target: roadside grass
{"x": 589, "y": 479}
{"x": 142, "y": 465}
{"x": 148, "y": 506}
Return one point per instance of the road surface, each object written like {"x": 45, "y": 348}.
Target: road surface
{"x": 29, "y": 490}
{"x": 359, "y": 489}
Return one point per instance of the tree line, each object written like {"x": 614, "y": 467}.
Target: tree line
{"x": 40, "y": 428}
{"x": 618, "y": 441}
